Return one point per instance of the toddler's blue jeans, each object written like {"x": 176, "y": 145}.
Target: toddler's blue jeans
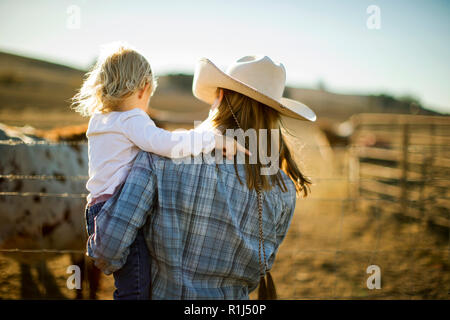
{"x": 132, "y": 281}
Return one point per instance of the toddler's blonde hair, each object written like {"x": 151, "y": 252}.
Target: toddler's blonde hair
{"x": 119, "y": 72}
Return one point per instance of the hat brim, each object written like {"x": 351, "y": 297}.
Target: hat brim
{"x": 208, "y": 77}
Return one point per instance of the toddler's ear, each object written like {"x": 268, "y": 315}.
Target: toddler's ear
{"x": 142, "y": 91}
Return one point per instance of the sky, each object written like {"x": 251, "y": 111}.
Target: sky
{"x": 328, "y": 41}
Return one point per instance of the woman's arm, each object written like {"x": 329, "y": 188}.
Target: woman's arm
{"x": 121, "y": 217}
{"x": 283, "y": 223}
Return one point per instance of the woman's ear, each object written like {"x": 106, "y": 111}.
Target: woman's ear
{"x": 218, "y": 100}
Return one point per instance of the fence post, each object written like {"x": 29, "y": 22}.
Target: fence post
{"x": 353, "y": 166}
{"x": 404, "y": 166}
{"x": 428, "y": 167}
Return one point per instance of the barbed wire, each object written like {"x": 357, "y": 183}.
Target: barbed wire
{"x": 12, "y": 176}
{"x": 83, "y": 195}
{"x": 314, "y": 180}
{"x": 58, "y": 251}
{"x": 12, "y": 142}
{"x": 344, "y": 251}
{"x": 42, "y": 142}
{"x": 42, "y": 177}
{"x": 43, "y": 194}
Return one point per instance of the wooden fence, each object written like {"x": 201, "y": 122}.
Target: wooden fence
{"x": 401, "y": 164}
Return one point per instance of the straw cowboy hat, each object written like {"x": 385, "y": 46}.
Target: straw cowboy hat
{"x": 257, "y": 77}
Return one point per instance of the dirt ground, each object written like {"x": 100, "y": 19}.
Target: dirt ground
{"x": 329, "y": 246}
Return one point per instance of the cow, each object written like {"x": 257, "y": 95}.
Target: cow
{"x": 42, "y": 200}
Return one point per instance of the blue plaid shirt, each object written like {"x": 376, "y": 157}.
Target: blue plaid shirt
{"x": 201, "y": 227}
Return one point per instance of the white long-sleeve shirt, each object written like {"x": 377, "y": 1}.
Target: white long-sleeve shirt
{"x": 115, "y": 138}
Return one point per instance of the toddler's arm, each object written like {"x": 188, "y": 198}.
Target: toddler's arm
{"x": 143, "y": 132}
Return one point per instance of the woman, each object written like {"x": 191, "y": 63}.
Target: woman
{"x": 212, "y": 229}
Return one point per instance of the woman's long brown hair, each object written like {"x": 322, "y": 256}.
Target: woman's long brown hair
{"x": 253, "y": 114}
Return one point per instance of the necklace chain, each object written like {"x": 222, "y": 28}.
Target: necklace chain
{"x": 263, "y": 267}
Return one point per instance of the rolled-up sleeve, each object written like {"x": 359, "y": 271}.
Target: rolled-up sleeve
{"x": 121, "y": 217}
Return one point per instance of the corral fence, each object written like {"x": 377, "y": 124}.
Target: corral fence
{"x": 402, "y": 161}
{"x": 398, "y": 164}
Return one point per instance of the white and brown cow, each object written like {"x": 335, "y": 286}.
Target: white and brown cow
{"x": 41, "y": 199}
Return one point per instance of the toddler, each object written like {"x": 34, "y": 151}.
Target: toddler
{"x": 115, "y": 95}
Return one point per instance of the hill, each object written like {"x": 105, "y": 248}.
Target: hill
{"x": 38, "y": 93}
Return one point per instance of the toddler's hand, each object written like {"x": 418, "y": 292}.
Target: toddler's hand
{"x": 229, "y": 146}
